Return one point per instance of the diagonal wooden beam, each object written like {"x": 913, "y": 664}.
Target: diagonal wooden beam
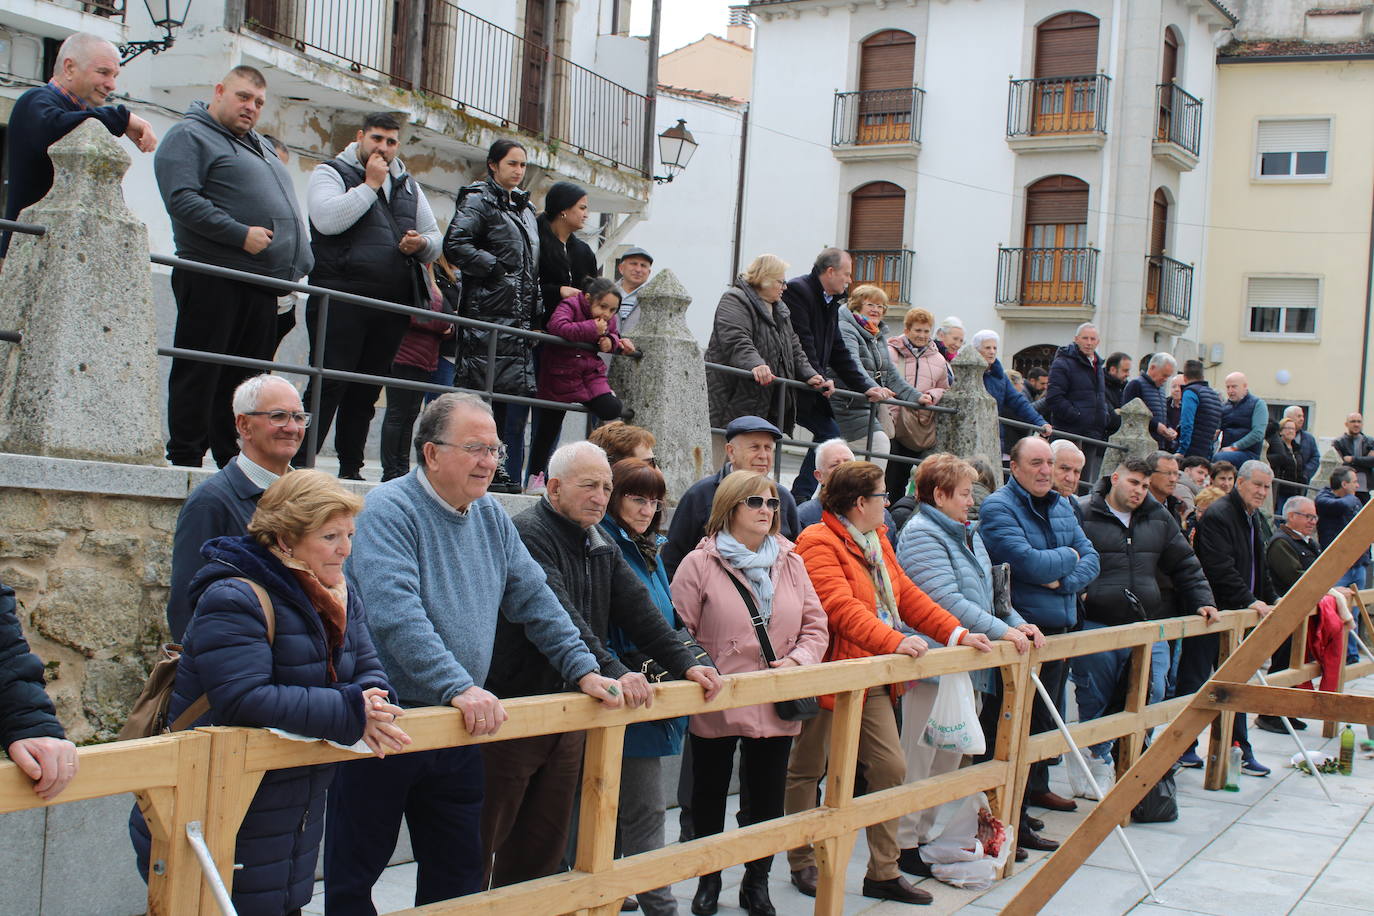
{"x": 1285, "y": 701}
{"x": 1179, "y": 734}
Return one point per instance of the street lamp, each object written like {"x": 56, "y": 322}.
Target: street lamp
{"x": 675, "y": 148}
{"x": 164, "y": 17}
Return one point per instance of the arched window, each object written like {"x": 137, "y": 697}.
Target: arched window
{"x": 1159, "y": 237}
{"x": 1038, "y": 356}
{"x": 876, "y": 211}
{"x": 1168, "y": 73}
{"x": 1056, "y": 241}
{"x": 1065, "y": 72}
{"x": 887, "y": 73}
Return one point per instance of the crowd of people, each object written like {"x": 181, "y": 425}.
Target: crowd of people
{"x": 303, "y": 608}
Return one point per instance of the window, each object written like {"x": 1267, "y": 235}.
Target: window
{"x": 1293, "y": 149}
{"x": 1282, "y": 307}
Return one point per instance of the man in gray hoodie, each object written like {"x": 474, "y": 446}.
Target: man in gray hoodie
{"x": 232, "y": 205}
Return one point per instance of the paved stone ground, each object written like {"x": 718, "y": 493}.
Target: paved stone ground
{"x": 1274, "y": 847}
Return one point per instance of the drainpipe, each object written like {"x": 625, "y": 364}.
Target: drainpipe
{"x": 1368, "y": 308}
{"x": 651, "y": 90}
{"x": 739, "y": 195}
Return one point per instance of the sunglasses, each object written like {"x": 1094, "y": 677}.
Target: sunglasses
{"x": 758, "y": 502}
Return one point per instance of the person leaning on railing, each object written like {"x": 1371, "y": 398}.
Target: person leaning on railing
{"x": 861, "y": 329}
{"x": 925, "y": 368}
{"x": 743, "y": 550}
{"x": 945, "y": 558}
{"x": 867, "y": 598}
{"x": 1011, "y": 403}
{"x": 313, "y": 671}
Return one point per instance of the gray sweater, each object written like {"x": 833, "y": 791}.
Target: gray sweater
{"x": 434, "y": 583}
{"x": 216, "y": 186}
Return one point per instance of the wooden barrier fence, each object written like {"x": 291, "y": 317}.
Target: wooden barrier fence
{"x": 210, "y": 774}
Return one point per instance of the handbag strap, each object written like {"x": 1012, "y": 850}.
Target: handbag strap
{"x": 760, "y": 630}
{"x": 202, "y": 704}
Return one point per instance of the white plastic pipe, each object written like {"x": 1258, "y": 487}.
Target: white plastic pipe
{"x": 1306, "y": 754}
{"x": 196, "y": 837}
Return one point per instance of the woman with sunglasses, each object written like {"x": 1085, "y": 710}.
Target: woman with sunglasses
{"x": 743, "y": 554}
{"x": 873, "y": 608}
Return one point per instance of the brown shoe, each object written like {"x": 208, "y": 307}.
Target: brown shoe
{"x": 1029, "y": 839}
{"x": 898, "y": 889}
{"x": 804, "y": 880}
{"x": 1052, "y": 801}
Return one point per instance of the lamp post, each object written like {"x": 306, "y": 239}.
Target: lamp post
{"x": 675, "y": 148}
{"x": 164, "y": 17}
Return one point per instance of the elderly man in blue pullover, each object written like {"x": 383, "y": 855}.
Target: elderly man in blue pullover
{"x": 438, "y": 562}
{"x": 1032, "y": 527}
{"x": 1243, "y": 421}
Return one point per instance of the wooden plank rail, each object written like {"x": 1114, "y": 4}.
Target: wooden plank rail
{"x": 210, "y": 775}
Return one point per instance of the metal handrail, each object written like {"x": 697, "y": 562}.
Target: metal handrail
{"x": 1073, "y": 437}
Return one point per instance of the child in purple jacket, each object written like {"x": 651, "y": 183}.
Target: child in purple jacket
{"x": 574, "y": 375}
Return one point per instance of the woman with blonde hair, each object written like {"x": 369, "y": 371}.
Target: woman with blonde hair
{"x": 926, "y": 369}
{"x": 278, "y": 640}
{"x": 743, "y": 571}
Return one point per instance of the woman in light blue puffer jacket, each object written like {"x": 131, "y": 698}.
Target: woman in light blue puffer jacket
{"x": 941, "y": 552}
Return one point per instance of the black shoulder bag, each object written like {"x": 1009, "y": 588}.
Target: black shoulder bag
{"x": 798, "y": 710}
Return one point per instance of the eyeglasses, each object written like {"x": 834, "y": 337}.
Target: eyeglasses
{"x": 1301, "y": 515}
{"x": 281, "y": 417}
{"x": 475, "y": 449}
{"x": 882, "y": 496}
{"x": 643, "y": 502}
{"x": 758, "y": 502}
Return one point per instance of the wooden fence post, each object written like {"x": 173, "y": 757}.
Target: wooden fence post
{"x": 1137, "y": 698}
{"x": 1223, "y": 727}
{"x": 600, "y": 805}
{"x": 1013, "y": 729}
{"x": 232, "y": 789}
{"x": 832, "y": 855}
{"x": 174, "y": 878}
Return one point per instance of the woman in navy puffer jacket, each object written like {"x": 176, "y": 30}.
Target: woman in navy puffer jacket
{"x": 319, "y": 676}
{"x": 1011, "y": 404}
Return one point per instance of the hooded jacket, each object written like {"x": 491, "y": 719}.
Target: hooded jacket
{"x": 713, "y": 612}
{"x": 216, "y": 186}
{"x": 282, "y": 684}
{"x": 869, "y": 350}
{"x": 570, "y": 374}
{"x": 1132, "y": 558}
{"x": 1077, "y": 396}
{"x": 493, "y": 241}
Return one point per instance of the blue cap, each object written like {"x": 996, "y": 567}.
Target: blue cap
{"x": 751, "y": 425}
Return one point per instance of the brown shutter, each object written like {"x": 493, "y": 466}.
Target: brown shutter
{"x": 875, "y": 216}
{"x": 1170, "y": 69}
{"x": 1159, "y": 226}
{"x": 1057, "y": 199}
{"x": 1066, "y": 45}
{"x": 887, "y": 60}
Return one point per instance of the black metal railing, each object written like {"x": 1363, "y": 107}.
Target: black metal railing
{"x": 875, "y": 116}
{"x": 1047, "y": 276}
{"x": 1057, "y": 105}
{"x": 1072, "y": 437}
{"x": 1180, "y": 118}
{"x": 110, "y": 9}
{"x": 475, "y": 64}
{"x": 1168, "y": 287}
{"x": 888, "y": 269}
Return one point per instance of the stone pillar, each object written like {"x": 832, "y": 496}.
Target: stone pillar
{"x": 973, "y": 430}
{"x": 1331, "y": 459}
{"x": 1134, "y": 434}
{"x": 84, "y": 381}
{"x": 667, "y": 388}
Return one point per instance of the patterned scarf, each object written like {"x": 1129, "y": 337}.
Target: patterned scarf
{"x": 330, "y": 603}
{"x": 872, "y": 327}
{"x": 872, "y": 548}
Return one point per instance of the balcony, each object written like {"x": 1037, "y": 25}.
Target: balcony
{"x": 475, "y": 66}
{"x": 888, "y": 269}
{"x": 1055, "y": 283}
{"x": 1168, "y": 295}
{"x": 877, "y": 124}
{"x": 1178, "y": 133}
{"x": 1057, "y": 113}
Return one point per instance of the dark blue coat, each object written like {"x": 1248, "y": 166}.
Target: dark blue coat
{"x": 1333, "y": 514}
{"x": 1142, "y": 387}
{"x": 817, "y": 324}
{"x": 1199, "y": 418}
{"x": 25, "y": 709}
{"x": 1011, "y": 403}
{"x": 284, "y": 685}
{"x": 1077, "y": 396}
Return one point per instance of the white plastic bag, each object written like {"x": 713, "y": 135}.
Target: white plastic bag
{"x": 956, "y": 857}
{"x": 953, "y": 723}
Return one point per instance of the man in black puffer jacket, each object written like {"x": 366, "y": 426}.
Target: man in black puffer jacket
{"x": 29, "y": 732}
{"x": 1137, "y": 540}
{"x": 1077, "y": 396}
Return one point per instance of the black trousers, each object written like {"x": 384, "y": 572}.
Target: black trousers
{"x": 548, "y": 427}
{"x": 527, "y": 816}
{"x": 398, "y": 423}
{"x": 1054, "y": 675}
{"x": 1196, "y": 662}
{"x": 763, "y": 769}
{"x": 440, "y": 794}
{"x": 218, "y": 316}
{"x": 357, "y": 339}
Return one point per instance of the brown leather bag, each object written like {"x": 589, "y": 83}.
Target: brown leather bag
{"x": 149, "y": 714}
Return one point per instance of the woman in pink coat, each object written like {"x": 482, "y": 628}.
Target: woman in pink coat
{"x": 742, "y": 545}
{"x": 574, "y": 375}
{"x": 928, "y": 372}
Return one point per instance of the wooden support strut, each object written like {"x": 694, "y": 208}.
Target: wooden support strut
{"x": 1338, "y": 557}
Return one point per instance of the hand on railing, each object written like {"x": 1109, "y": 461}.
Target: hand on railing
{"x": 709, "y": 678}
{"x": 822, "y": 385}
{"x": 627, "y": 346}
{"x": 976, "y": 641}
{"x": 1018, "y": 639}
{"x": 1209, "y": 613}
{"x": 605, "y": 689}
{"x": 49, "y": 762}
{"x": 482, "y": 712}
{"x": 1264, "y": 608}
{"x": 914, "y": 646}
{"x": 763, "y": 375}
{"x": 879, "y": 393}
{"x": 380, "y": 731}
{"x": 635, "y": 688}
{"x": 1036, "y": 637}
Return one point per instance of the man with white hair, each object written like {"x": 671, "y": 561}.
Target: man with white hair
{"x": 532, "y": 782}
{"x": 270, "y": 425}
{"x": 1149, "y": 387}
{"x": 1243, "y": 420}
{"x": 83, "y": 77}
{"x": 1291, "y": 550}
{"x": 1068, "y": 471}
{"x": 949, "y": 337}
{"x": 830, "y": 454}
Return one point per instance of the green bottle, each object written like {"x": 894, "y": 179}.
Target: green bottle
{"x": 1347, "y": 750}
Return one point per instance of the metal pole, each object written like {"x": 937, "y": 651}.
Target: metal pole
{"x": 1306, "y": 754}
{"x": 312, "y": 437}
{"x": 782, "y": 412}
{"x": 1077, "y": 755}
{"x": 196, "y": 837}
{"x": 651, "y": 88}
{"x": 739, "y": 195}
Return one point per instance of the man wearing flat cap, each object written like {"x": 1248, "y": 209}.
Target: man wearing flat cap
{"x": 632, "y": 271}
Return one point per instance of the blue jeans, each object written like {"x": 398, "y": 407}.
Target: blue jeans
{"x": 1235, "y": 457}
{"x": 818, "y": 420}
{"x": 1098, "y": 679}
{"x": 1353, "y": 577}
{"x": 442, "y": 375}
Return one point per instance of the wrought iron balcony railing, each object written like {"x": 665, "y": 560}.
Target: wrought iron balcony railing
{"x": 877, "y": 116}
{"x": 1057, "y": 105}
{"x": 1180, "y": 118}
{"x": 1168, "y": 287}
{"x": 1047, "y": 276}
{"x": 888, "y": 269}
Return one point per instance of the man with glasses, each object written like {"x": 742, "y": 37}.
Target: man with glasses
{"x": 437, "y": 562}
{"x": 532, "y": 782}
{"x": 1291, "y": 550}
{"x": 270, "y": 425}
{"x": 830, "y": 454}
{"x": 1164, "y": 477}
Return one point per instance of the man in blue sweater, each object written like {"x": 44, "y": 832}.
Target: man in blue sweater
{"x": 1243, "y": 420}
{"x": 437, "y": 562}
{"x": 82, "y": 78}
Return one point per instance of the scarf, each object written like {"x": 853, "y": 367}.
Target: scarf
{"x": 872, "y": 548}
{"x": 872, "y": 327}
{"x": 330, "y": 603}
{"x": 648, "y": 549}
{"x": 756, "y": 566}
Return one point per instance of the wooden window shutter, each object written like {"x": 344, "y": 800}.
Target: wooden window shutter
{"x": 1277, "y": 292}
{"x": 1058, "y": 199}
{"x": 1066, "y": 45}
{"x": 1307, "y": 135}
{"x": 1170, "y": 69}
{"x": 887, "y": 60}
{"x": 1159, "y": 226}
{"x": 876, "y": 212}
